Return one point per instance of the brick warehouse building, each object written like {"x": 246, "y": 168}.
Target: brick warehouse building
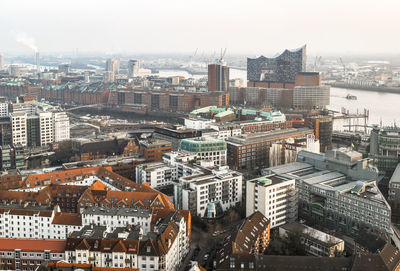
{"x": 113, "y": 94}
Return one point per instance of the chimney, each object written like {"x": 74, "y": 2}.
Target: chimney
{"x": 38, "y": 63}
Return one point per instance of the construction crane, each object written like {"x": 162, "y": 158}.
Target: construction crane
{"x": 192, "y": 57}
{"x": 344, "y": 67}
{"x": 317, "y": 62}
{"x": 221, "y": 59}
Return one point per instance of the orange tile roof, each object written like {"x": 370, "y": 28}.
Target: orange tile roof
{"x": 97, "y": 185}
{"x": 54, "y": 245}
{"x": 63, "y": 218}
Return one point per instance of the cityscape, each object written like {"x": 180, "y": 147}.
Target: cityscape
{"x": 154, "y": 149}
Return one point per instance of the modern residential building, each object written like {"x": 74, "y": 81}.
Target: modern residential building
{"x": 210, "y": 192}
{"x": 218, "y": 77}
{"x": 385, "y": 148}
{"x": 157, "y": 174}
{"x": 226, "y": 130}
{"x": 315, "y": 242}
{"x": 28, "y": 254}
{"x": 338, "y": 189}
{"x": 12, "y": 157}
{"x": 206, "y": 148}
{"x": 198, "y": 123}
{"x": 274, "y": 196}
{"x": 308, "y": 97}
{"x": 250, "y": 151}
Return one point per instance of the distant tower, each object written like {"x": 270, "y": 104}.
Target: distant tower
{"x": 37, "y": 63}
{"x": 112, "y": 65}
{"x": 218, "y": 77}
{"x": 13, "y": 70}
{"x": 87, "y": 79}
{"x": 1, "y": 62}
{"x": 133, "y": 68}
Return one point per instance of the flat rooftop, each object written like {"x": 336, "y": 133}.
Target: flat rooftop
{"x": 269, "y": 180}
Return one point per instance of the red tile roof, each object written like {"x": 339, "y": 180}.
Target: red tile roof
{"x": 63, "y": 218}
{"x": 35, "y": 245}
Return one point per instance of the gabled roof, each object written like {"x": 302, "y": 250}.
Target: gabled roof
{"x": 83, "y": 245}
{"x": 63, "y": 218}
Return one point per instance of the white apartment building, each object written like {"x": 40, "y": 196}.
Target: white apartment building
{"x": 274, "y": 196}
{"x": 37, "y": 223}
{"x": 3, "y": 109}
{"x": 198, "y": 123}
{"x": 61, "y": 126}
{"x": 117, "y": 217}
{"x": 46, "y": 128}
{"x": 157, "y": 174}
{"x": 209, "y": 192}
{"x": 19, "y": 131}
{"x": 226, "y": 130}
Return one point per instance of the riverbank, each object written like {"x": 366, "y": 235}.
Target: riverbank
{"x": 395, "y": 90}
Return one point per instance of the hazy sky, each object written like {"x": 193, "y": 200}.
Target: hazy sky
{"x": 162, "y": 26}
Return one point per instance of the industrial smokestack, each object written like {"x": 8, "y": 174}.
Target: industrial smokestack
{"x": 38, "y": 63}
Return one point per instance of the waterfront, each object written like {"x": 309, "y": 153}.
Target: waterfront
{"x": 383, "y": 107}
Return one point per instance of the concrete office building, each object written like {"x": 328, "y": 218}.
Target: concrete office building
{"x": 338, "y": 190}
{"x": 250, "y": 151}
{"x": 218, "y": 77}
{"x": 61, "y": 126}
{"x": 274, "y": 196}
{"x": 206, "y": 148}
{"x": 175, "y": 134}
{"x": 3, "y": 109}
{"x": 19, "y": 129}
{"x": 46, "y": 128}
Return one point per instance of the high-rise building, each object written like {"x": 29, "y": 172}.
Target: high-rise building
{"x": 218, "y": 77}
{"x": 276, "y": 72}
{"x": 1, "y": 61}
{"x": 14, "y": 70}
{"x": 3, "y": 109}
{"x": 65, "y": 68}
{"x": 112, "y": 65}
{"x": 5, "y": 131}
{"x": 133, "y": 68}
{"x": 46, "y": 128}
{"x": 61, "y": 126}
{"x": 109, "y": 77}
{"x": 33, "y": 130}
{"x": 323, "y": 127}
{"x": 19, "y": 131}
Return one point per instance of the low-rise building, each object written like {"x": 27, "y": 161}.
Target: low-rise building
{"x": 29, "y": 254}
{"x": 157, "y": 174}
{"x": 153, "y": 150}
{"x": 315, "y": 242}
{"x": 274, "y": 196}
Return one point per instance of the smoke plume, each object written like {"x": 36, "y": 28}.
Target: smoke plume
{"x": 27, "y": 41}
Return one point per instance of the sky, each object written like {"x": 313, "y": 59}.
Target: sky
{"x": 250, "y": 27}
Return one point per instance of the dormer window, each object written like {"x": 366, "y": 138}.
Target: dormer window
{"x": 148, "y": 249}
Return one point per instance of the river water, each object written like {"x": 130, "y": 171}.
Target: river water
{"x": 383, "y": 107}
